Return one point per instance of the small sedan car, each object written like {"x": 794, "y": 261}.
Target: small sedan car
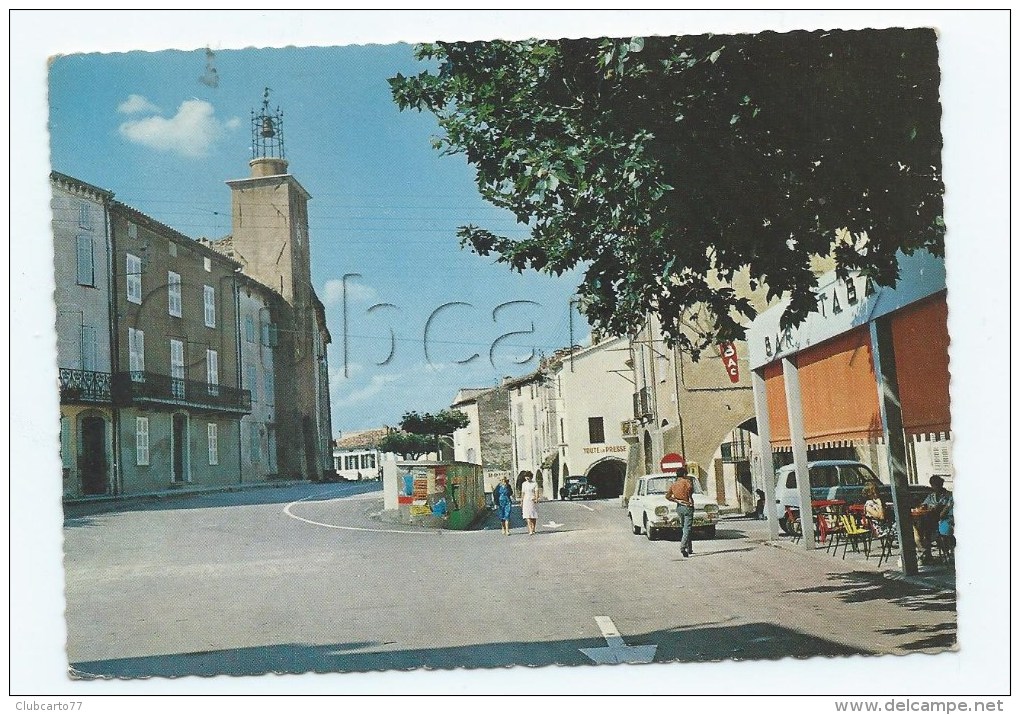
{"x": 578, "y": 488}
{"x": 651, "y": 513}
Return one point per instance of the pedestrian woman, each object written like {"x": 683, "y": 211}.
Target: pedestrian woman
{"x": 503, "y": 496}
{"x": 529, "y": 501}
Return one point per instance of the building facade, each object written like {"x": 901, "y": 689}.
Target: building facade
{"x": 82, "y": 255}
{"x": 593, "y": 397}
{"x": 487, "y": 439}
{"x": 177, "y": 379}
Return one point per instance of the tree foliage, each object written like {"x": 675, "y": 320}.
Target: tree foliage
{"x": 406, "y": 444}
{"x": 444, "y": 422}
{"x": 665, "y": 165}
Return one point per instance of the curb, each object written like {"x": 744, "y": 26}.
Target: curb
{"x": 114, "y": 501}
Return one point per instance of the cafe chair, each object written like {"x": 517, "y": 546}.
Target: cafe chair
{"x": 855, "y": 535}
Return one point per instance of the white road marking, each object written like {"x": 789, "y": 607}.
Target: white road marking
{"x": 552, "y": 525}
{"x": 586, "y": 507}
{"x": 616, "y": 650}
{"x": 292, "y": 515}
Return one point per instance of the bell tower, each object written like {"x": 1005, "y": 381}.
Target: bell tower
{"x": 270, "y": 214}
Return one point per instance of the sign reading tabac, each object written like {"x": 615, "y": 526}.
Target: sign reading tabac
{"x": 728, "y": 352}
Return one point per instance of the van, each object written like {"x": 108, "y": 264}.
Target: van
{"x": 830, "y": 479}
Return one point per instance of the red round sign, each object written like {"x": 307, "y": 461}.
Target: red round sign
{"x": 672, "y": 462}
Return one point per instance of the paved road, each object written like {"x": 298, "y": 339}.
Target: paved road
{"x": 306, "y": 579}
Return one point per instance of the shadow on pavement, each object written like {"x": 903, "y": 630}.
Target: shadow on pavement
{"x": 753, "y": 641}
{"x": 862, "y": 586}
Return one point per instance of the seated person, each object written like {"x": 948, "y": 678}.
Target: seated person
{"x": 759, "y": 507}
{"x": 937, "y": 506}
{"x": 874, "y": 509}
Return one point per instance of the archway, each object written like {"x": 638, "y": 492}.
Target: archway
{"x": 607, "y": 476}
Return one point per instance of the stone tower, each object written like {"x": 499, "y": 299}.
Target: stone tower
{"x": 270, "y": 240}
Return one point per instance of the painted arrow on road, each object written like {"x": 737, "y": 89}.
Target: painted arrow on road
{"x": 617, "y": 651}
{"x": 552, "y": 525}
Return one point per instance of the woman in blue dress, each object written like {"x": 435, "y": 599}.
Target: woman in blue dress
{"x": 503, "y": 496}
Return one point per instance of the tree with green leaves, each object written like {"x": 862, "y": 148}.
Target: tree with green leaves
{"x": 434, "y": 426}
{"x": 666, "y": 166}
{"x": 407, "y": 445}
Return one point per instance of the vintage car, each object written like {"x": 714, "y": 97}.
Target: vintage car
{"x": 840, "y": 479}
{"x": 651, "y": 513}
{"x": 577, "y": 488}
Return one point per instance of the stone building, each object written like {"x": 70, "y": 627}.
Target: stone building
{"x": 82, "y": 254}
{"x": 270, "y": 240}
{"x": 177, "y": 381}
{"x": 487, "y": 438}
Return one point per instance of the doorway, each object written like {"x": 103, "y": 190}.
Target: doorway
{"x": 93, "y": 455}
{"x": 179, "y": 451}
{"x": 607, "y": 476}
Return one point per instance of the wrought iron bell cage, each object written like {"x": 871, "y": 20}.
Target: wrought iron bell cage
{"x": 267, "y": 132}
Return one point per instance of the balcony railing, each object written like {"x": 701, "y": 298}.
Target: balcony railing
{"x": 137, "y": 388}
{"x": 78, "y": 386}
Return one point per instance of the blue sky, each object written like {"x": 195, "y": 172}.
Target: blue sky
{"x": 165, "y": 130}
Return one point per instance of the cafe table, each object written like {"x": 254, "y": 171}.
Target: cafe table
{"x": 824, "y": 510}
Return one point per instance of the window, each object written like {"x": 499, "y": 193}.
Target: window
{"x": 173, "y": 282}
{"x": 134, "y": 279}
{"x": 84, "y": 216}
{"x": 520, "y": 415}
{"x": 212, "y": 371}
{"x": 142, "y": 441}
{"x": 133, "y": 231}
{"x": 214, "y": 447}
{"x": 249, "y": 329}
{"x": 207, "y": 264}
{"x": 89, "y": 348}
{"x": 596, "y": 430}
{"x": 172, "y": 248}
{"x": 271, "y": 446}
{"x": 210, "y": 306}
{"x": 255, "y": 443}
{"x": 251, "y": 377}
{"x": 270, "y": 337}
{"x": 177, "y": 368}
{"x": 136, "y": 354}
{"x": 86, "y": 261}
{"x": 371, "y": 461}
{"x": 269, "y": 385}
{"x": 561, "y": 431}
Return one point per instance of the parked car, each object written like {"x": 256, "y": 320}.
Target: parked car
{"x": 577, "y": 488}
{"x": 842, "y": 479}
{"x": 651, "y": 513}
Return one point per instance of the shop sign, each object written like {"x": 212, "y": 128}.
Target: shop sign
{"x": 604, "y": 449}
{"x": 728, "y": 352}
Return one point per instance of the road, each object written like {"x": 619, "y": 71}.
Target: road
{"x": 306, "y": 579}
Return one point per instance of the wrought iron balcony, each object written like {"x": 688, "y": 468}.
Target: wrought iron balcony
{"x": 84, "y": 386}
{"x": 149, "y": 388}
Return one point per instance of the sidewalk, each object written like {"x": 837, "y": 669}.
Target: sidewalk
{"x": 939, "y": 576}
{"x": 124, "y": 500}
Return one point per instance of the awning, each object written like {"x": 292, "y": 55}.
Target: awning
{"x": 921, "y": 345}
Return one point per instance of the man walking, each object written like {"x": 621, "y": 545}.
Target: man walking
{"x": 681, "y": 492}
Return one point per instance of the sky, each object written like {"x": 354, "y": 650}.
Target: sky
{"x": 165, "y": 130}
{"x": 376, "y": 185}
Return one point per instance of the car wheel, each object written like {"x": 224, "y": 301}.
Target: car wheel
{"x": 634, "y": 527}
{"x": 649, "y": 531}
{"x": 784, "y": 525}
{"x": 709, "y": 532}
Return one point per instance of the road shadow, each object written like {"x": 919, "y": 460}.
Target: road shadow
{"x": 753, "y": 641}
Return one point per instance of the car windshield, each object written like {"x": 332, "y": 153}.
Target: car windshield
{"x": 857, "y": 475}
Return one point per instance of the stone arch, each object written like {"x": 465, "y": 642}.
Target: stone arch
{"x": 607, "y": 476}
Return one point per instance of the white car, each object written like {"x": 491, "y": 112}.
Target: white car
{"x": 651, "y": 513}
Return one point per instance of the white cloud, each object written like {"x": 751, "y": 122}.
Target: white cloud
{"x": 189, "y": 133}
{"x": 136, "y": 104}
{"x": 333, "y": 293}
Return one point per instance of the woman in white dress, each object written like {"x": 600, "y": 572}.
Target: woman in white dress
{"x": 529, "y": 501}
